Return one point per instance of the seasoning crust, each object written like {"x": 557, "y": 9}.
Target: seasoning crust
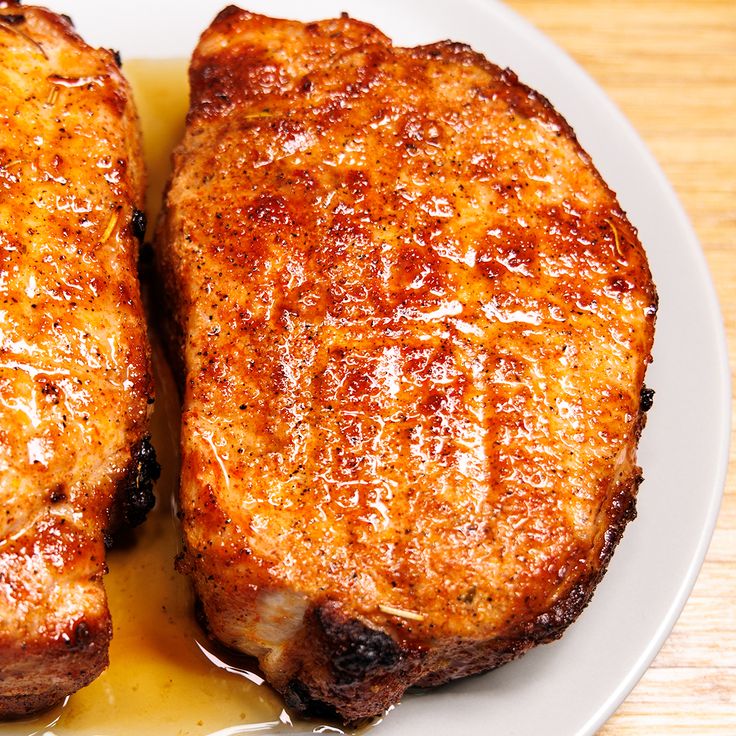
{"x": 412, "y": 325}
{"x": 75, "y": 380}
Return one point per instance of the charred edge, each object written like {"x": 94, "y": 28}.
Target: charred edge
{"x": 646, "y": 399}
{"x": 357, "y": 651}
{"x": 297, "y": 697}
{"x": 138, "y": 221}
{"x": 12, "y": 20}
{"x": 137, "y": 497}
{"x": 119, "y": 61}
{"x": 69, "y": 20}
{"x": 552, "y": 624}
{"x": 623, "y": 510}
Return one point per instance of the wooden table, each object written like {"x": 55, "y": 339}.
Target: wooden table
{"x": 671, "y": 67}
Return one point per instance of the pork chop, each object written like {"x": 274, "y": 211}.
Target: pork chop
{"x": 75, "y": 380}
{"x": 412, "y": 325}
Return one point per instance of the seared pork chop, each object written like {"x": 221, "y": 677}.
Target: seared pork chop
{"x": 75, "y": 381}
{"x": 412, "y": 325}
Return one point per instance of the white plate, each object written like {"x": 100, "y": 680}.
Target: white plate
{"x": 572, "y": 686}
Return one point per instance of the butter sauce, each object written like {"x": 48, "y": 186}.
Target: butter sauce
{"x": 164, "y": 677}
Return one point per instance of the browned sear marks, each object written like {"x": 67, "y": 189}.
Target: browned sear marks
{"x": 413, "y": 324}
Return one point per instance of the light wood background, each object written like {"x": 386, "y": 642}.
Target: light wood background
{"x": 671, "y": 67}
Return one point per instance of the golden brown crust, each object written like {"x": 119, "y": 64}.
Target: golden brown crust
{"x": 413, "y": 325}
{"x": 75, "y": 379}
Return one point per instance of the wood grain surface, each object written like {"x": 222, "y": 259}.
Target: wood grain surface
{"x": 671, "y": 67}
